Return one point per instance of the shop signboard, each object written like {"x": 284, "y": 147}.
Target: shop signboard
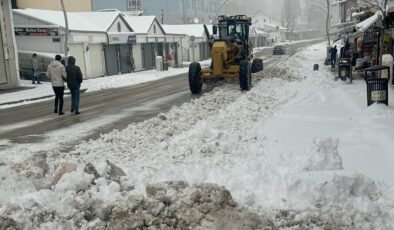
{"x": 122, "y": 38}
{"x": 37, "y": 31}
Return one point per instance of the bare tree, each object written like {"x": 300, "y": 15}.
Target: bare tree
{"x": 290, "y": 13}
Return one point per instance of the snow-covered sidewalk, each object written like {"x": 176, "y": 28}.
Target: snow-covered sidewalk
{"x": 33, "y": 93}
{"x": 300, "y": 149}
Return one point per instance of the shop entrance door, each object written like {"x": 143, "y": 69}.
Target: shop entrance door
{"x": 148, "y": 52}
{"x": 111, "y": 60}
{"x": 125, "y": 54}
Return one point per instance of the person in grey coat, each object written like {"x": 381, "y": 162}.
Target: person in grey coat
{"x": 57, "y": 73}
{"x": 34, "y": 64}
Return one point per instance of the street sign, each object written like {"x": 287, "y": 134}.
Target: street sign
{"x": 36, "y": 31}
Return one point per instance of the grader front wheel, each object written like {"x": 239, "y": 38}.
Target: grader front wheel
{"x": 195, "y": 81}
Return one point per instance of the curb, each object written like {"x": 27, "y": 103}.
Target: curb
{"x": 38, "y": 98}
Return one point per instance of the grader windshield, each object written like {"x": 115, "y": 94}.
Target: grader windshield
{"x": 236, "y": 27}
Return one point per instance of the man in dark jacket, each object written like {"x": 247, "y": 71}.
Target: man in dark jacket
{"x": 74, "y": 80}
{"x": 333, "y": 53}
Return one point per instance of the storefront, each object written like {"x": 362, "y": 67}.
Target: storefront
{"x": 193, "y": 44}
{"x": 9, "y": 77}
{"x": 48, "y": 37}
{"x": 364, "y": 43}
{"x": 119, "y": 53}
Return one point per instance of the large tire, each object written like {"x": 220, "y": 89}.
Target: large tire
{"x": 245, "y": 76}
{"x": 195, "y": 81}
{"x": 257, "y": 65}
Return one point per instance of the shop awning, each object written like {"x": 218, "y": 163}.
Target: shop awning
{"x": 367, "y": 23}
{"x": 355, "y": 35}
{"x": 344, "y": 24}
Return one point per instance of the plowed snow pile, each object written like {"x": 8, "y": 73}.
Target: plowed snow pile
{"x": 299, "y": 151}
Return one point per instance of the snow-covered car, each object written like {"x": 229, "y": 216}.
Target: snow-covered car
{"x": 279, "y": 50}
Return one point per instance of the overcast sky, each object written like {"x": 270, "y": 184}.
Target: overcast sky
{"x": 270, "y": 8}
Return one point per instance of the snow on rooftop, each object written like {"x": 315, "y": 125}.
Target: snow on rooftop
{"x": 78, "y": 21}
{"x": 196, "y": 30}
{"x": 140, "y": 24}
{"x": 102, "y": 19}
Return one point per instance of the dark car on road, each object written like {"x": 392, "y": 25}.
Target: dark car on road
{"x": 279, "y": 50}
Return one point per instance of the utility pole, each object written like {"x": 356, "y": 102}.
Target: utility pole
{"x": 162, "y": 17}
{"x": 184, "y": 11}
{"x": 66, "y": 38}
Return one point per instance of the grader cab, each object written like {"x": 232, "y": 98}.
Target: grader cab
{"x": 231, "y": 55}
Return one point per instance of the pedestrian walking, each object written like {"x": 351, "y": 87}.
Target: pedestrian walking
{"x": 34, "y": 64}
{"x": 57, "y": 74}
{"x": 74, "y": 80}
{"x": 333, "y": 53}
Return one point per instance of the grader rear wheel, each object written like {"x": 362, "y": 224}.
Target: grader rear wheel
{"x": 245, "y": 76}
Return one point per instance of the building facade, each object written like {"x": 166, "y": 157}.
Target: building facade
{"x": 170, "y": 11}
{"x": 98, "y": 40}
{"x": 71, "y": 5}
{"x": 9, "y": 75}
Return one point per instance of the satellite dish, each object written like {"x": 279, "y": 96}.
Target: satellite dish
{"x": 196, "y": 20}
{"x": 192, "y": 38}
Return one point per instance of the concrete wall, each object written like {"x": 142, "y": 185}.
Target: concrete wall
{"x": 123, "y": 26}
{"x": 9, "y": 44}
{"x": 71, "y": 5}
{"x": 38, "y": 43}
{"x": 158, "y": 29}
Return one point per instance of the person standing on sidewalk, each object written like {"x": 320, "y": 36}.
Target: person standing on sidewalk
{"x": 333, "y": 53}
{"x": 57, "y": 74}
{"x": 34, "y": 64}
{"x": 74, "y": 80}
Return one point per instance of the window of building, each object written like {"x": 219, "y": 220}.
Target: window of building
{"x": 134, "y": 4}
{"x": 119, "y": 27}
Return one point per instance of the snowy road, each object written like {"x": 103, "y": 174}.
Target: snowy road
{"x": 102, "y": 111}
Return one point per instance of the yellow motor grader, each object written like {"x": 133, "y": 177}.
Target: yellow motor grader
{"x": 231, "y": 54}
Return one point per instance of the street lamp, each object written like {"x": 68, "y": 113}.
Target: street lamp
{"x": 256, "y": 13}
{"x": 327, "y": 13}
{"x": 219, "y": 7}
{"x": 66, "y": 38}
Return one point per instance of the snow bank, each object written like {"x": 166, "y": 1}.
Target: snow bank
{"x": 290, "y": 149}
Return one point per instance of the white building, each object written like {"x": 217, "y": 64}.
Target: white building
{"x": 90, "y": 39}
{"x": 194, "y": 40}
{"x": 9, "y": 76}
{"x": 152, "y": 41}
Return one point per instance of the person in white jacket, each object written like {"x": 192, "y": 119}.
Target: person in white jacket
{"x": 34, "y": 64}
{"x": 57, "y": 74}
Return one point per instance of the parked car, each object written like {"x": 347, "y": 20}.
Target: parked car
{"x": 279, "y": 50}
